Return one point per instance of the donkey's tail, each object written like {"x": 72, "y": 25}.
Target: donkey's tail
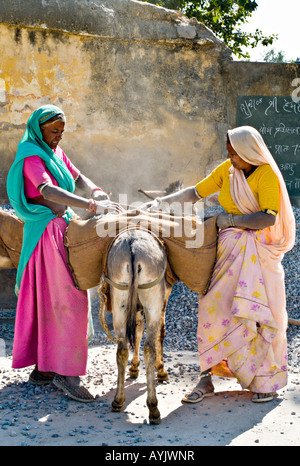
{"x": 132, "y": 302}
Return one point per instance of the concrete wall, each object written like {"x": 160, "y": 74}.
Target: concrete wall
{"x": 148, "y": 94}
{"x": 143, "y": 97}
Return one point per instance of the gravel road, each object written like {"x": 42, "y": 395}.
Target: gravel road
{"x": 181, "y": 314}
{"x": 41, "y": 416}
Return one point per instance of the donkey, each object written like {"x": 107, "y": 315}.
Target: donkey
{"x": 136, "y": 266}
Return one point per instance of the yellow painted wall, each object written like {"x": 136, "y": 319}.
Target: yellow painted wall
{"x": 139, "y": 114}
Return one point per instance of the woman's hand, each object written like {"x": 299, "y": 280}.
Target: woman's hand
{"x": 107, "y": 206}
{"x": 223, "y": 221}
{"x": 99, "y": 195}
{"x": 146, "y": 205}
{"x": 186, "y": 195}
{"x": 152, "y": 205}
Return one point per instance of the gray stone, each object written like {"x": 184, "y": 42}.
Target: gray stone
{"x": 123, "y": 19}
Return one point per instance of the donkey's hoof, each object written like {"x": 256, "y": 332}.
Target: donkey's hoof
{"x": 162, "y": 376}
{"x": 154, "y": 414}
{"x": 155, "y": 420}
{"x": 116, "y": 407}
{"x": 133, "y": 373}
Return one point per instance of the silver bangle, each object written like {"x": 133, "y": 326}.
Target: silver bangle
{"x": 197, "y": 194}
{"x": 42, "y": 186}
{"x": 231, "y": 222}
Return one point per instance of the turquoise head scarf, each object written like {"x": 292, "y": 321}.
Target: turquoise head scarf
{"x": 35, "y": 217}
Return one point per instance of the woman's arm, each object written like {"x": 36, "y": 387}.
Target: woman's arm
{"x": 184, "y": 195}
{"x": 209, "y": 185}
{"x": 62, "y": 197}
{"x": 85, "y": 184}
{"x": 256, "y": 221}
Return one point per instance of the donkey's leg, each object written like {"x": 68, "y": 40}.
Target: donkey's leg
{"x": 119, "y": 301}
{"x": 152, "y": 302}
{"x": 150, "y": 357}
{"x": 122, "y": 360}
{"x": 162, "y": 374}
{"x": 135, "y": 362}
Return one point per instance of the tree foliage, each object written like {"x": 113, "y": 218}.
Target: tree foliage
{"x": 276, "y": 56}
{"x": 224, "y": 18}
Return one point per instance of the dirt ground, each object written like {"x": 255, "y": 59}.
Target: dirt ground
{"x": 44, "y": 416}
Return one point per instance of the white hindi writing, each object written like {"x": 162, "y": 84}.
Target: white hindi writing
{"x": 280, "y": 129}
{"x": 287, "y": 106}
{"x": 293, "y": 184}
{"x": 283, "y": 106}
{"x": 281, "y": 149}
{"x": 248, "y": 106}
{"x": 288, "y": 168}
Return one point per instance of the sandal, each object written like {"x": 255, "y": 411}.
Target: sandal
{"x": 263, "y": 397}
{"x": 38, "y": 378}
{"x": 200, "y": 396}
{"x": 79, "y": 393}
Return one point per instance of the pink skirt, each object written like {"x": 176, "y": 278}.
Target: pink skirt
{"x": 51, "y": 328}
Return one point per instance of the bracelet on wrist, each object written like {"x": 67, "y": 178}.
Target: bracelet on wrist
{"x": 231, "y": 221}
{"x": 197, "y": 194}
{"x": 96, "y": 189}
{"x": 92, "y": 206}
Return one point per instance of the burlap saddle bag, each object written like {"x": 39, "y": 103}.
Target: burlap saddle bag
{"x": 11, "y": 237}
{"x": 190, "y": 245}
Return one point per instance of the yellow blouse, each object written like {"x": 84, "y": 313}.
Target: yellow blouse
{"x": 263, "y": 183}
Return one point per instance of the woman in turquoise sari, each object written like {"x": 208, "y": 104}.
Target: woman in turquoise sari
{"x": 52, "y": 318}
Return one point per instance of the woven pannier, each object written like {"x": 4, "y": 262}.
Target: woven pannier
{"x": 11, "y": 237}
{"x": 190, "y": 244}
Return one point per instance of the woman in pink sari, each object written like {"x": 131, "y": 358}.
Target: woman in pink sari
{"x": 52, "y": 318}
{"x": 242, "y": 318}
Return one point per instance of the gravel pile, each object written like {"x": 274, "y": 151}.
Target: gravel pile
{"x": 182, "y": 309}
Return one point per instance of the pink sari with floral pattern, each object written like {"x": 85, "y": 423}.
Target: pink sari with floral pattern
{"x": 243, "y": 318}
{"x": 236, "y": 323}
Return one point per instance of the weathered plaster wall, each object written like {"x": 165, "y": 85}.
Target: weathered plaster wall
{"x": 144, "y": 98}
{"x": 148, "y": 94}
{"x": 35, "y": 70}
